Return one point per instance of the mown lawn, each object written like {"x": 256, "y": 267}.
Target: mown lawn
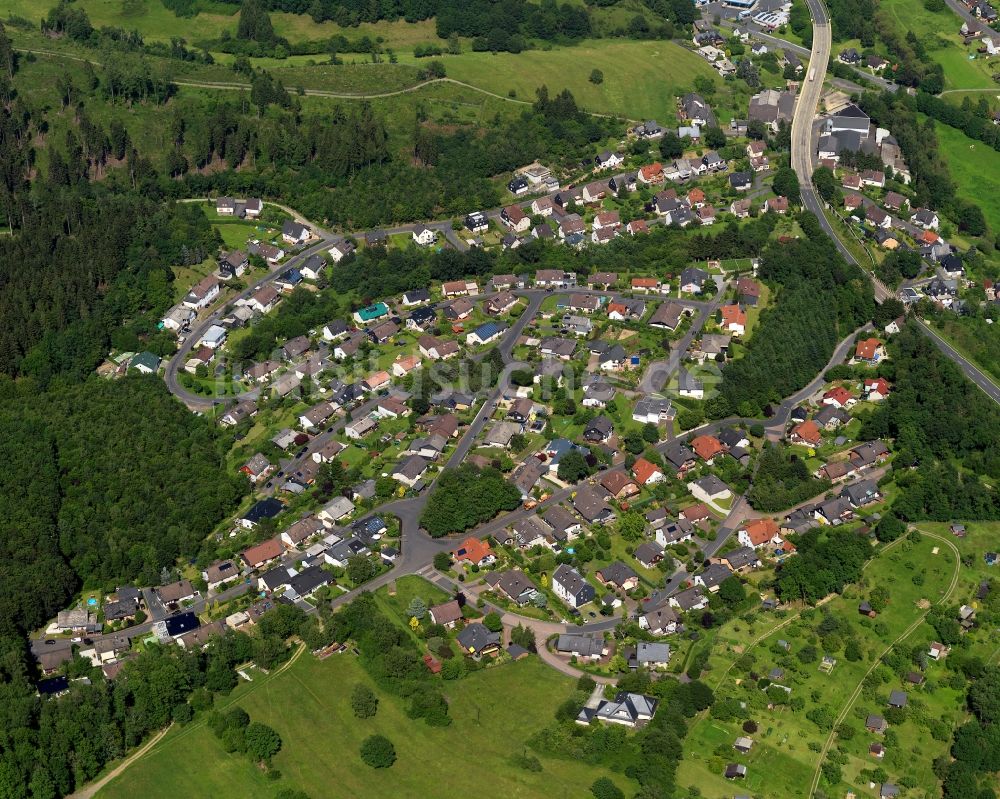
{"x": 781, "y": 764}
{"x": 494, "y": 712}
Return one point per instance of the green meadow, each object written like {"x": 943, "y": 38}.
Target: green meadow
{"x": 493, "y": 711}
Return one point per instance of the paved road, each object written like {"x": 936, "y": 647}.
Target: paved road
{"x": 988, "y": 386}
{"x": 967, "y": 16}
{"x": 658, "y": 373}
{"x": 197, "y": 402}
{"x": 802, "y": 163}
{"x": 800, "y": 50}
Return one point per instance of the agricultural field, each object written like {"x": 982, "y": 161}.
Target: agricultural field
{"x": 787, "y": 743}
{"x": 309, "y": 706}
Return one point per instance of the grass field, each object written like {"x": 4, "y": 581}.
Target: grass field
{"x": 975, "y": 169}
{"x": 783, "y": 759}
{"x": 156, "y": 23}
{"x": 641, "y": 79}
{"x": 494, "y": 712}
{"x": 938, "y": 32}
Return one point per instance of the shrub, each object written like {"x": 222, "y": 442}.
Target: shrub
{"x": 377, "y": 751}
{"x": 364, "y": 703}
{"x": 604, "y": 788}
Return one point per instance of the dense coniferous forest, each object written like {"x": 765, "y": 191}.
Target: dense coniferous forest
{"x": 122, "y": 481}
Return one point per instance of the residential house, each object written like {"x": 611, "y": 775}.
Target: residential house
{"x": 262, "y": 509}
{"x": 667, "y": 316}
{"x": 264, "y": 299}
{"x": 618, "y": 576}
{"x": 423, "y": 236}
{"x": 257, "y": 468}
{"x": 570, "y": 587}
{"x": 662, "y": 621}
{"x": 359, "y": 428}
{"x": 554, "y": 278}
{"x": 692, "y": 280}
{"x": 806, "y": 434}
{"x": 650, "y": 655}
{"x": 597, "y": 394}
{"x": 591, "y": 503}
{"x": 689, "y": 600}
{"x": 571, "y": 225}
{"x": 475, "y": 639}
{"x": 293, "y": 232}
{"x": 740, "y": 208}
{"x": 839, "y": 397}
{"x": 500, "y": 303}
{"x": 409, "y": 471}
{"x": 679, "y": 457}
{"x": 474, "y": 552}
{"x": 869, "y": 351}
{"x": 759, "y": 533}
{"x": 862, "y": 493}
{"x": 513, "y": 217}
{"x": 459, "y": 288}
{"x": 563, "y": 523}
{"x": 202, "y": 294}
{"x": 741, "y": 181}
{"x": 707, "y": 447}
{"x": 599, "y": 429}
{"x": 485, "y": 334}
{"x": 876, "y": 388}
{"x": 376, "y": 381}
{"x": 653, "y": 410}
{"x": 581, "y": 646}
{"x": 733, "y": 319}
{"x": 626, "y": 709}
{"x": 651, "y": 174}
{"x": 741, "y": 559}
{"x": 435, "y": 349}
{"x": 446, "y": 614}
{"x": 302, "y": 531}
{"x": 710, "y": 489}
{"x": 646, "y": 472}
{"x": 612, "y": 359}
{"x": 513, "y": 584}
{"x": 617, "y": 483}
{"x": 338, "y": 508}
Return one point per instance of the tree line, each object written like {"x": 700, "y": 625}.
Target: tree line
{"x": 828, "y": 559}
{"x": 945, "y": 431}
{"x": 917, "y": 139}
{"x": 465, "y": 497}
{"x": 820, "y": 298}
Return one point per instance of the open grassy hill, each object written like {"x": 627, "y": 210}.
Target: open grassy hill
{"x": 494, "y": 712}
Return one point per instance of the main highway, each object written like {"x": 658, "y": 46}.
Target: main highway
{"x": 803, "y": 132}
